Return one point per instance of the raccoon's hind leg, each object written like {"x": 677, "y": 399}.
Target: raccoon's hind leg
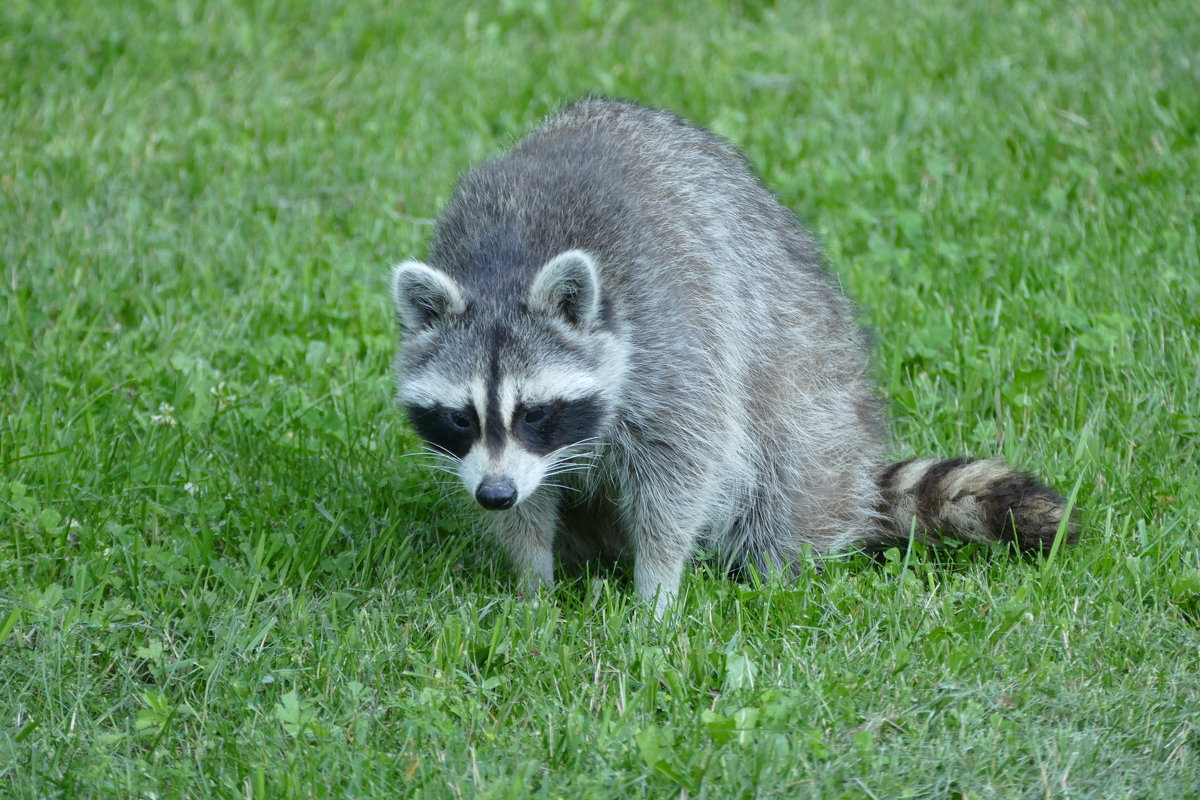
{"x": 970, "y": 499}
{"x": 526, "y": 532}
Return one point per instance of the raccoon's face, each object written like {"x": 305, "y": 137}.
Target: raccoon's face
{"x": 513, "y": 396}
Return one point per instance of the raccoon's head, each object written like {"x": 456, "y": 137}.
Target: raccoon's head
{"x": 509, "y": 388}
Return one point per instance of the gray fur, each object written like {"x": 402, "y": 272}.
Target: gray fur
{"x": 736, "y": 415}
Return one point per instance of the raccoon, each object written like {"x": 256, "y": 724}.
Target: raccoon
{"x": 625, "y": 346}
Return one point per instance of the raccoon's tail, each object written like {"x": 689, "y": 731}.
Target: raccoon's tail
{"x": 969, "y": 499}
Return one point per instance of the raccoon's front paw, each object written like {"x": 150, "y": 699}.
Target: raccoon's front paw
{"x": 533, "y": 564}
{"x": 661, "y": 604}
{"x": 530, "y": 589}
{"x": 532, "y": 581}
{"x": 657, "y": 582}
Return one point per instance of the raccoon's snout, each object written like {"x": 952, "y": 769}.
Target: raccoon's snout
{"x": 497, "y": 493}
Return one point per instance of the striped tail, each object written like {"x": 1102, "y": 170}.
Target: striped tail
{"x": 970, "y": 499}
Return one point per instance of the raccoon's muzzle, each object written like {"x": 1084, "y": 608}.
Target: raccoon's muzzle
{"x": 496, "y": 493}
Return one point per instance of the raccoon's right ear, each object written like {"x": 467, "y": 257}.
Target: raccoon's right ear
{"x": 568, "y": 286}
{"x": 424, "y": 295}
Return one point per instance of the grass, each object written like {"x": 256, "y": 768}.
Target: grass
{"x": 219, "y": 577}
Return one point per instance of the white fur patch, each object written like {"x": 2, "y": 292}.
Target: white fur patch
{"x": 975, "y": 476}
{"x": 552, "y": 384}
{"x": 479, "y": 398}
{"x": 432, "y": 388}
{"x": 473, "y": 467}
{"x": 908, "y": 476}
{"x": 506, "y": 399}
{"x": 525, "y": 469}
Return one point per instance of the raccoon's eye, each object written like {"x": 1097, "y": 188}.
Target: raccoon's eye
{"x": 460, "y": 419}
{"x": 535, "y": 414}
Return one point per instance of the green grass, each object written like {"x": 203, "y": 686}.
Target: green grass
{"x": 219, "y": 577}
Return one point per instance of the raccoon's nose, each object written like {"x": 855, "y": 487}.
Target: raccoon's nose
{"x": 496, "y": 493}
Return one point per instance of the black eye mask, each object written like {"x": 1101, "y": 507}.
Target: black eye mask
{"x": 451, "y": 430}
{"x": 545, "y": 427}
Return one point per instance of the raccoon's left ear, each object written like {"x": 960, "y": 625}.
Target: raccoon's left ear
{"x": 568, "y": 287}
{"x": 424, "y": 295}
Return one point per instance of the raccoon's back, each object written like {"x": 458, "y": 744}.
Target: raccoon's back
{"x": 638, "y": 186}
{"x": 689, "y": 190}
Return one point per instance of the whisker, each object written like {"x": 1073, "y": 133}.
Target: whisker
{"x": 575, "y": 465}
{"x": 562, "y": 486}
{"x": 590, "y": 455}
{"x": 578, "y": 459}
{"x": 429, "y": 450}
{"x": 438, "y": 456}
{"x": 440, "y": 463}
{"x": 568, "y": 453}
{"x": 567, "y": 470}
{"x": 442, "y": 455}
{"x": 443, "y": 470}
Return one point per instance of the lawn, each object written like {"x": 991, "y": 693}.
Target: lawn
{"x": 220, "y": 576}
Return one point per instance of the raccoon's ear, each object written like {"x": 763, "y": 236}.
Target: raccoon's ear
{"x": 568, "y": 287}
{"x": 424, "y": 295}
